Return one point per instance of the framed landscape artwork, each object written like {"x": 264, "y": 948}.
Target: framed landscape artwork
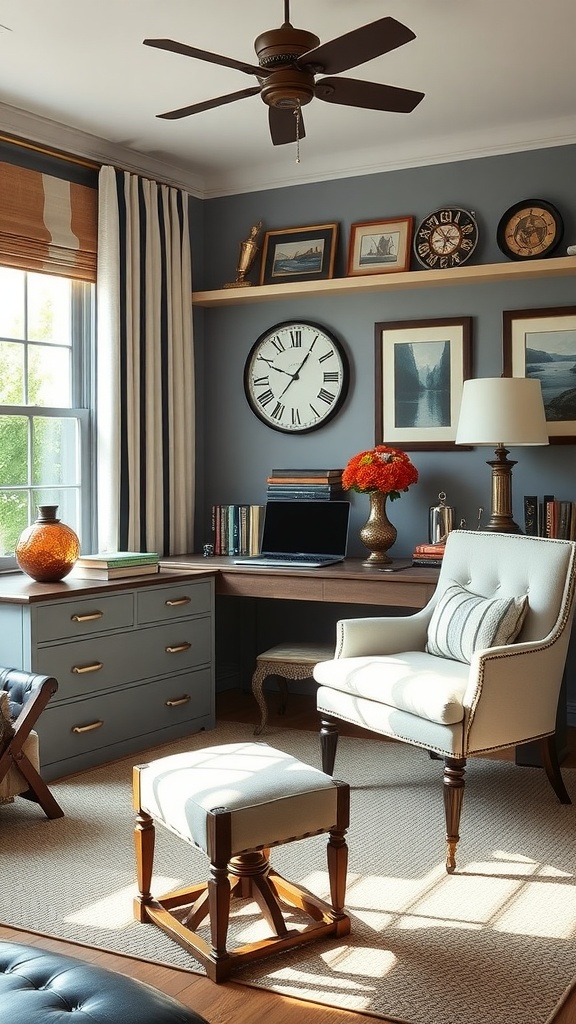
{"x": 541, "y": 343}
{"x": 380, "y": 246}
{"x": 421, "y": 366}
{"x": 299, "y": 254}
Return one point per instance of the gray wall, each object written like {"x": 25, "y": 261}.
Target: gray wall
{"x": 240, "y": 451}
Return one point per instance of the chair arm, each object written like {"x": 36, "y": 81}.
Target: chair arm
{"x": 22, "y": 687}
{"x": 512, "y": 694}
{"x": 357, "y": 638}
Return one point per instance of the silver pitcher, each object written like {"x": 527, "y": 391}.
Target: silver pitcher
{"x": 440, "y": 520}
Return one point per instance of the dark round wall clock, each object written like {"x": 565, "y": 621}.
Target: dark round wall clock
{"x": 296, "y": 376}
{"x": 446, "y": 238}
{"x": 529, "y": 230}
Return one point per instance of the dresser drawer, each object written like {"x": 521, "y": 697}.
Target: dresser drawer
{"x": 83, "y": 616}
{"x": 173, "y": 601}
{"x": 172, "y": 647}
{"x": 94, "y": 663}
{"x": 82, "y": 726}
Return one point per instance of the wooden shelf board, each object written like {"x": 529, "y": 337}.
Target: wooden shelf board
{"x": 486, "y": 273}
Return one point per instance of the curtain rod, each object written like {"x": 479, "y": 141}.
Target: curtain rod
{"x": 58, "y": 154}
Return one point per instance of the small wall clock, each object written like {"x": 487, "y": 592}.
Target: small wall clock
{"x": 296, "y": 376}
{"x": 529, "y": 230}
{"x": 446, "y": 238}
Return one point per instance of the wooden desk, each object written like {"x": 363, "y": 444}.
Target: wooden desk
{"x": 347, "y": 582}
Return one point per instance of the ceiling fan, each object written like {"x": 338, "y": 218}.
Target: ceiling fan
{"x": 288, "y": 61}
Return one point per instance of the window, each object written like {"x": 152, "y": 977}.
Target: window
{"x": 46, "y": 326}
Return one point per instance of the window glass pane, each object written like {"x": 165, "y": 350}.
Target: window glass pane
{"x": 11, "y": 373}
{"x": 13, "y": 451}
{"x": 49, "y": 309}
{"x": 49, "y": 375}
{"x": 55, "y": 455}
{"x": 11, "y": 303}
{"x": 13, "y": 519}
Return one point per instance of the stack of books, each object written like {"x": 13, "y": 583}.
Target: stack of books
{"x": 111, "y": 565}
{"x": 237, "y": 529}
{"x": 428, "y": 554}
{"x": 305, "y": 485}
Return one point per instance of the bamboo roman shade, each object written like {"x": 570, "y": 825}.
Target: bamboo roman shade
{"x": 47, "y": 224}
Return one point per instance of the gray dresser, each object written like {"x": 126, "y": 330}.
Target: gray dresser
{"x": 134, "y": 661}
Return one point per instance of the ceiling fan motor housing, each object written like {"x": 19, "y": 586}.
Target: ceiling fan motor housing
{"x": 283, "y": 84}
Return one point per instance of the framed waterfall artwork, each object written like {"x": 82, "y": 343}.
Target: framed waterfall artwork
{"x": 421, "y": 366}
{"x": 380, "y": 246}
{"x": 541, "y": 343}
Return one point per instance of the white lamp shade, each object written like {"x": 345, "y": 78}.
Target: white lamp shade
{"x": 502, "y": 411}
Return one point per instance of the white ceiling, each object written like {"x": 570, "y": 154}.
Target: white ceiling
{"x": 499, "y": 75}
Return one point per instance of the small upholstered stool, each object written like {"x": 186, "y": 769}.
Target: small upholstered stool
{"x": 287, "y": 661}
{"x": 234, "y": 802}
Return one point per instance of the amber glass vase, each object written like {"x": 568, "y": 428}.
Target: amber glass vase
{"x": 48, "y": 549}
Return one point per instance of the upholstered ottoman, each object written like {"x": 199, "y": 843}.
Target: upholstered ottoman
{"x": 37, "y": 987}
{"x": 233, "y": 803}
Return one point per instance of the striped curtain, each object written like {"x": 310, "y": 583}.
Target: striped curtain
{"x": 145, "y": 367}
{"x": 47, "y": 224}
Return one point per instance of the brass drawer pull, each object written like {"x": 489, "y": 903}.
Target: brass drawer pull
{"x": 79, "y": 670}
{"x": 178, "y": 701}
{"x": 87, "y": 728}
{"x": 178, "y": 649}
{"x": 89, "y": 617}
{"x": 175, "y": 602}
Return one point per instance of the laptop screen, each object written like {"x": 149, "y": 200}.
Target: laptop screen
{"x": 306, "y": 527}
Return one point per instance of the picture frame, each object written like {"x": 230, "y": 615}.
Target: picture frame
{"x": 299, "y": 254}
{"x": 410, "y": 354}
{"x": 380, "y": 246}
{"x": 550, "y": 334}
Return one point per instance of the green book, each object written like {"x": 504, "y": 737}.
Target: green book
{"x": 117, "y": 559}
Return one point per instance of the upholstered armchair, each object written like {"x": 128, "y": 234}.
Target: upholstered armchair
{"x": 478, "y": 669}
{"x": 23, "y": 697}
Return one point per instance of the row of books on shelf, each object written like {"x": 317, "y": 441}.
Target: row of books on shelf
{"x": 304, "y": 485}
{"x": 549, "y": 517}
{"x": 111, "y": 565}
{"x": 237, "y": 529}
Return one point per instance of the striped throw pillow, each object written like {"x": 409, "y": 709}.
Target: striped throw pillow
{"x": 463, "y": 622}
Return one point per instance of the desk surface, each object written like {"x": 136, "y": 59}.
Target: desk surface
{"x": 348, "y": 582}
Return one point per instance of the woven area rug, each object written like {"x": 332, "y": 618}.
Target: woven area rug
{"x": 492, "y": 944}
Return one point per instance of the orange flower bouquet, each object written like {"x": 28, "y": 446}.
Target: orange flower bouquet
{"x": 380, "y": 469}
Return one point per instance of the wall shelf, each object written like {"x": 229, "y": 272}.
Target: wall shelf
{"x": 487, "y": 273}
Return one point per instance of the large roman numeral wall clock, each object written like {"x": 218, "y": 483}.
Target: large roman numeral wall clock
{"x": 296, "y": 376}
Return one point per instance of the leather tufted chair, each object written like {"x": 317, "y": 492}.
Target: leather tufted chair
{"x": 27, "y": 695}
{"x": 466, "y": 702}
{"x": 37, "y": 986}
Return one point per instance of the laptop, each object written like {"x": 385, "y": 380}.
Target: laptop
{"x": 302, "y": 535}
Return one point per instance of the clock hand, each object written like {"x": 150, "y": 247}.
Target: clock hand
{"x": 295, "y": 376}
{"x": 272, "y": 367}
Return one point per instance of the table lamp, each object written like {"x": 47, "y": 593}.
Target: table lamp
{"x": 499, "y": 411}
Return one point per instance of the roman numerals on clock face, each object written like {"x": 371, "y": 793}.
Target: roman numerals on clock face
{"x": 296, "y": 376}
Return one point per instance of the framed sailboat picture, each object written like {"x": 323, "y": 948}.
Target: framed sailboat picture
{"x": 380, "y": 246}
{"x": 299, "y": 254}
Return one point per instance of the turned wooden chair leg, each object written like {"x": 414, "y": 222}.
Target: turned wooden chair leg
{"x": 549, "y": 755}
{"x": 328, "y": 745}
{"x": 454, "y": 770}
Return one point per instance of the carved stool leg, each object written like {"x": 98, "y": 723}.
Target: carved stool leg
{"x": 260, "y": 674}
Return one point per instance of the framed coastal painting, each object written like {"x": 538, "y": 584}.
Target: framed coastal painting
{"x": 380, "y": 246}
{"x": 541, "y": 343}
{"x": 421, "y": 366}
{"x": 299, "y": 254}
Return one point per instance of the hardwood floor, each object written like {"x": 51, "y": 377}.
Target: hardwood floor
{"x": 231, "y": 1002}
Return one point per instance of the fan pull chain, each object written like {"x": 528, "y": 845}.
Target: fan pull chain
{"x": 297, "y": 116}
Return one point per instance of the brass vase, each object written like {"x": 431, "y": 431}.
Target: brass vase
{"x": 48, "y": 549}
{"x": 378, "y": 533}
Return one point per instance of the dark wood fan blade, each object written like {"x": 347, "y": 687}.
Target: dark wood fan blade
{"x": 351, "y": 92}
{"x": 212, "y": 58}
{"x": 219, "y": 101}
{"x": 358, "y": 46}
{"x": 282, "y": 125}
